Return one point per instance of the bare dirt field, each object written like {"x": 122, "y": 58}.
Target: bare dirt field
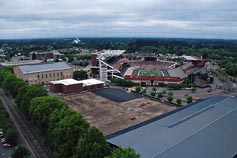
{"x": 111, "y": 116}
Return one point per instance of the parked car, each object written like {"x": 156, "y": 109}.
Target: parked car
{"x": 7, "y": 145}
{"x": 1, "y": 132}
{"x": 3, "y": 141}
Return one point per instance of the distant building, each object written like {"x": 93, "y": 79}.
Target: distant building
{"x": 21, "y": 62}
{"x": 49, "y": 55}
{"x": 44, "y": 73}
{"x": 73, "y": 86}
{"x": 206, "y": 129}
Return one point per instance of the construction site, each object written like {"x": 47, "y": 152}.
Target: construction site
{"x": 112, "y": 116}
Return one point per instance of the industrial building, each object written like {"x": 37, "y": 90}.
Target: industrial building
{"x": 43, "y": 73}
{"x": 73, "y": 86}
{"x": 206, "y": 129}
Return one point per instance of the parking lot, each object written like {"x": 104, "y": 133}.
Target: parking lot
{"x": 5, "y": 149}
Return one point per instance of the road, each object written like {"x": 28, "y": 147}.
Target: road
{"x": 35, "y": 147}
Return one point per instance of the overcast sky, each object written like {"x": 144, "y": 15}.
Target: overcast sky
{"x": 118, "y": 18}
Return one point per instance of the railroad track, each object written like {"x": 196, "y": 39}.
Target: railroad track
{"x": 36, "y": 148}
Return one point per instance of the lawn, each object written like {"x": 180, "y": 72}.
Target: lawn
{"x": 150, "y": 73}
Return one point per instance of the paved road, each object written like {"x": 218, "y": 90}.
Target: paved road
{"x": 37, "y": 149}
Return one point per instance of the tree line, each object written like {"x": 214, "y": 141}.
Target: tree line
{"x": 64, "y": 131}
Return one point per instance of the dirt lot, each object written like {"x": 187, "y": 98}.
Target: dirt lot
{"x": 110, "y": 116}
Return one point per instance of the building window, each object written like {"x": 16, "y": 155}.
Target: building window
{"x": 46, "y": 76}
{"x": 42, "y": 76}
{"x": 57, "y": 74}
{"x": 61, "y": 73}
{"x": 53, "y": 74}
{"x": 50, "y": 75}
{"x": 38, "y": 76}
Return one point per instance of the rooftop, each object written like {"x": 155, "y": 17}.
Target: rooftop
{"x": 44, "y": 67}
{"x": 87, "y": 82}
{"x": 204, "y": 129}
{"x": 109, "y": 53}
{"x": 190, "y": 57}
{"x": 23, "y": 62}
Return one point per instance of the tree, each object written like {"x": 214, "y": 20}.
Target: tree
{"x": 124, "y": 153}
{"x": 41, "y": 108}
{"x": 159, "y": 95}
{"x": 153, "y": 93}
{"x": 193, "y": 89}
{"x": 154, "y": 89}
{"x": 80, "y": 75}
{"x": 66, "y": 134}
{"x": 170, "y": 98}
{"x": 164, "y": 92}
{"x": 170, "y": 93}
{"x": 179, "y": 101}
{"x": 32, "y": 92}
{"x": 93, "y": 145}
{"x": 138, "y": 89}
{"x": 144, "y": 91}
{"x": 189, "y": 99}
{"x": 20, "y": 152}
{"x": 11, "y": 136}
{"x": 174, "y": 86}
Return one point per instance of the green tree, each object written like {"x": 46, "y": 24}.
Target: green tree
{"x": 193, "y": 89}
{"x": 32, "y": 92}
{"x": 144, "y": 91}
{"x": 154, "y": 89}
{"x": 174, "y": 86}
{"x": 40, "y": 110}
{"x": 124, "y": 153}
{"x": 153, "y": 93}
{"x": 20, "y": 98}
{"x": 170, "y": 98}
{"x": 20, "y": 152}
{"x": 67, "y": 133}
{"x": 159, "y": 95}
{"x": 93, "y": 145}
{"x": 138, "y": 89}
{"x": 11, "y": 136}
{"x": 179, "y": 101}
{"x": 170, "y": 93}
{"x": 80, "y": 75}
{"x": 189, "y": 99}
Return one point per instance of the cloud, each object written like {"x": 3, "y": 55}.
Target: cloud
{"x": 120, "y": 18}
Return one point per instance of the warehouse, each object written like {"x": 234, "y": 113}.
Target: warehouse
{"x": 43, "y": 73}
{"x": 73, "y": 86}
{"x": 200, "y": 130}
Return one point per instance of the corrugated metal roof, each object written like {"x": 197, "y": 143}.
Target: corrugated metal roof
{"x": 44, "y": 67}
{"x": 205, "y": 129}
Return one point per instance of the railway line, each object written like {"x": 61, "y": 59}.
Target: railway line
{"x": 36, "y": 148}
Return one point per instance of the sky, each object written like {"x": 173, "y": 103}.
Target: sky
{"x": 118, "y": 18}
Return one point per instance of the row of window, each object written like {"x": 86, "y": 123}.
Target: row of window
{"x": 50, "y": 75}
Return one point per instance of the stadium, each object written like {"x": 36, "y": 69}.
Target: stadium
{"x": 150, "y": 70}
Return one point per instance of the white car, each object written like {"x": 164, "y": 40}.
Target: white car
{"x": 3, "y": 141}
{"x": 7, "y": 145}
{"x": 1, "y": 132}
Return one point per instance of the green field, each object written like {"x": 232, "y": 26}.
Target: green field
{"x": 149, "y": 73}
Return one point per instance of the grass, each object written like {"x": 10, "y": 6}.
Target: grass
{"x": 149, "y": 73}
